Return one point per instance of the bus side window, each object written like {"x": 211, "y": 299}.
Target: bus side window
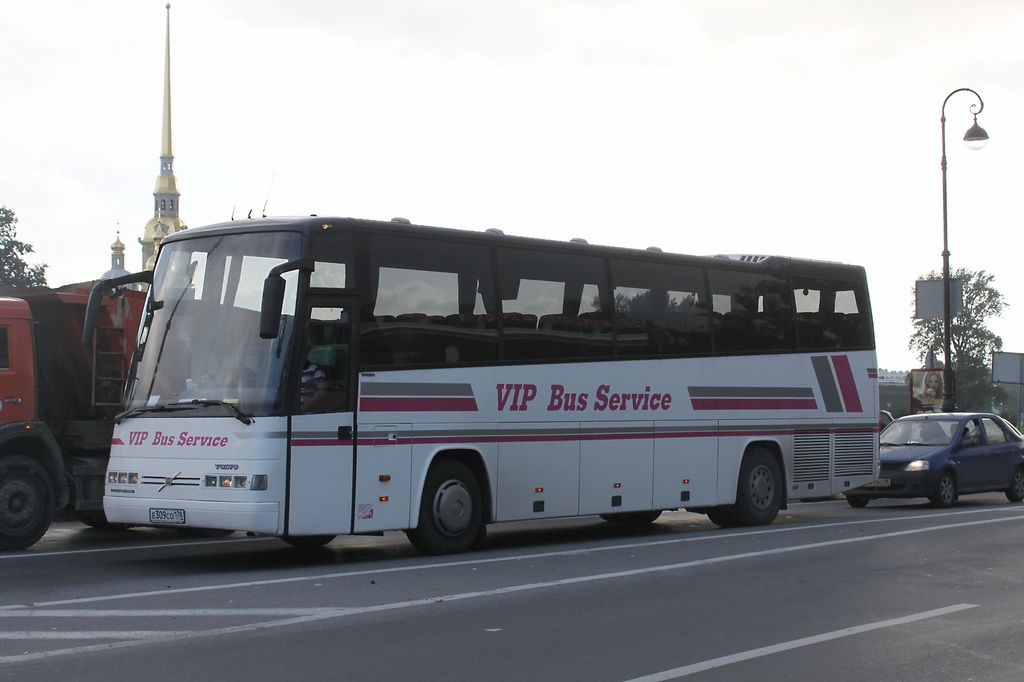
{"x": 658, "y": 310}
{"x": 427, "y": 296}
{"x": 759, "y": 314}
{"x": 568, "y": 296}
{"x": 830, "y": 316}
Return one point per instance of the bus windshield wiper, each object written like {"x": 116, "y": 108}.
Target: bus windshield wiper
{"x": 135, "y": 411}
{"x": 186, "y": 405}
{"x": 231, "y": 407}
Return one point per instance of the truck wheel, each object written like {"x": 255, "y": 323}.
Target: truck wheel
{"x": 26, "y": 502}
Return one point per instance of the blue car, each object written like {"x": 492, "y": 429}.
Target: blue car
{"x": 944, "y": 455}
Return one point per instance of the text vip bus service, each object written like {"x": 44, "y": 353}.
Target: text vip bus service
{"x": 312, "y": 377}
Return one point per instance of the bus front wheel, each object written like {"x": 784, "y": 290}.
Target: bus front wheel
{"x": 307, "y": 542}
{"x": 450, "y": 511}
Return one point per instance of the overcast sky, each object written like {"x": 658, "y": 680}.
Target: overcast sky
{"x": 802, "y": 128}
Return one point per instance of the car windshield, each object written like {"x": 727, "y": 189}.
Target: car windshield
{"x": 919, "y": 432}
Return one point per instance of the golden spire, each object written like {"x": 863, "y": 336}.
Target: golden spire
{"x": 165, "y": 140}
{"x": 165, "y": 218}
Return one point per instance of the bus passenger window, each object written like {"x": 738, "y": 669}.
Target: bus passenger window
{"x": 659, "y": 309}
{"x": 567, "y": 295}
{"x": 754, "y": 311}
{"x": 425, "y": 296}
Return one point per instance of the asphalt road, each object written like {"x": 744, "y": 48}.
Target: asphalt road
{"x": 896, "y": 591}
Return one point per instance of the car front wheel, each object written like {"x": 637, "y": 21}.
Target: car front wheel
{"x": 945, "y": 491}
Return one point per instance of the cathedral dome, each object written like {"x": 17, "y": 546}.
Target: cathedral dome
{"x": 116, "y": 260}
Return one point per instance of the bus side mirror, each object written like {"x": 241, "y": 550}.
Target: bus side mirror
{"x": 270, "y": 310}
{"x": 273, "y": 295}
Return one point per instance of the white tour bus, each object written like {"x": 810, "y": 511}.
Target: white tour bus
{"x": 321, "y": 376}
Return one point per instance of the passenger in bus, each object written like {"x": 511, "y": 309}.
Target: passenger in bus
{"x": 319, "y": 391}
{"x": 313, "y": 381}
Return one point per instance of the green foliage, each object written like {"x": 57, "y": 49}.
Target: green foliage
{"x": 14, "y": 271}
{"x": 642, "y": 303}
{"x": 972, "y": 341}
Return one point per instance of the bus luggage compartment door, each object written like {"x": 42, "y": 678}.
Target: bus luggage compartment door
{"x": 383, "y": 479}
{"x": 320, "y": 475}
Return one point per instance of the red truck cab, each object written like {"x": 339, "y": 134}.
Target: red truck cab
{"x": 18, "y": 397}
{"x": 58, "y": 399}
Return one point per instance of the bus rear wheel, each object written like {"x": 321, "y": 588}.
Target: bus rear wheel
{"x": 723, "y": 517}
{"x": 857, "y": 501}
{"x": 450, "y": 510}
{"x": 26, "y": 502}
{"x": 759, "y": 491}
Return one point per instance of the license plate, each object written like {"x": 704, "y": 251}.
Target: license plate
{"x": 176, "y": 516}
{"x": 880, "y": 483}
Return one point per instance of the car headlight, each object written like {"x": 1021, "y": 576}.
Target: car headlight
{"x": 918, "y": 465}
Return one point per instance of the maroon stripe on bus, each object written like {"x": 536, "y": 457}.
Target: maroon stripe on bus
{"x": 847, "y": 385}
{"x": 754, "y": 403}
{"x": 417, "y": 404}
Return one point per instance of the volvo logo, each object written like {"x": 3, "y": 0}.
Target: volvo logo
{"x": 169, "y": 481}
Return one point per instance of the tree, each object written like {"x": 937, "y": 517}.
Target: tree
{"x": 14, "y": 271}
{"x": 971, "y": 340}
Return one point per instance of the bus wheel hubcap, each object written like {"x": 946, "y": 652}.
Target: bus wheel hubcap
{"x": 453, "y": 507}
{"x": 761, "y": 487}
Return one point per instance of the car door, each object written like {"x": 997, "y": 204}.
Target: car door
{"x": 971, "y": 456}
{"x": 1002, "y": 454}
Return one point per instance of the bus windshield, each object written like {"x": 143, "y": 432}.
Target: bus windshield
{"x": 200, "y": 345}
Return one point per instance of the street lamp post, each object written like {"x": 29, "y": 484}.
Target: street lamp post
{"x": 975, "y": 138}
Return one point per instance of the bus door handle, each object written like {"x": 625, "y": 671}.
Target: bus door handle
{"x": 16, "y": 401}
{"x": 344, "y": 433}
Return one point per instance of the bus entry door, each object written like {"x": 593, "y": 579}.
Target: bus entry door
{"x": 322, "y": 443}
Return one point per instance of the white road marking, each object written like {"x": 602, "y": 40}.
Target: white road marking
{"x": 98, "y": 634}
{"x": 521, "y": 557}
{"x": 311, "y": 615}
{"x": 165, "y": 613}
{"x": 685, "y": 670}
{"x": 30, "y": 554}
